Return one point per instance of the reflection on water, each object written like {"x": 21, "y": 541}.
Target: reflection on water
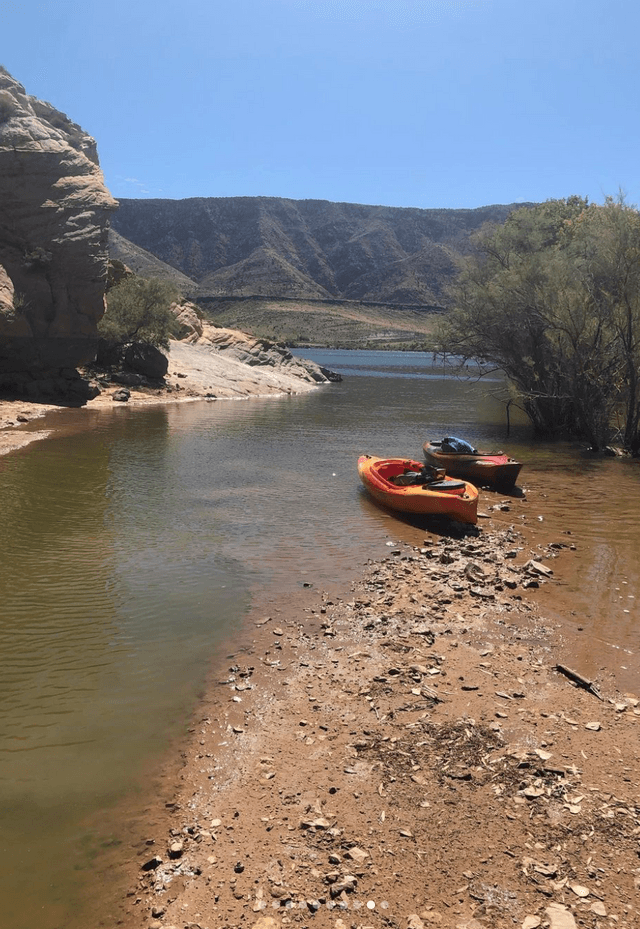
{"x": 134, "y": 541}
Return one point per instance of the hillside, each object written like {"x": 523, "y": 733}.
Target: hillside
{"x": 331, "y": 262}
{"x": 145, "y": 264}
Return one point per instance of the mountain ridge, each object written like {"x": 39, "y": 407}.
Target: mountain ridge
{"x": 279, "y": 247}
{"x": 304, "y": 272}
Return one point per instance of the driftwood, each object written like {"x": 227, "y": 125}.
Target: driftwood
{"x": 579, "y": 680}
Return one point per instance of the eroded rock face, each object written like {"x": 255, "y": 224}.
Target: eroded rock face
{"x": 54, "y": 213}
{"x": 189, "y": 320}
{"x": 262, "y": 353}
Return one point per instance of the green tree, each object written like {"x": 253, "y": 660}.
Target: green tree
{"x": 552, "y": 298}
{"x": 138, "y": 310}
{"x": 611, "y": 274}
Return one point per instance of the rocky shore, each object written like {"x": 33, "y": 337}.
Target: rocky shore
{"x": 419, "y": 752}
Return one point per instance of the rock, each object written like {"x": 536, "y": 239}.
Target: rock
{"x": 121, "y": 395}
{"x": 152, "y": 863}
{"x": 357, "y": 854}
{"x": 346, "y": 883}
{"x": 253, "y": 352}
{"x": 189, "y": 320}
{"x": 145, "y": 359}
{"x": 414, "y": 922}
{"x": 432, "y": 916}
{"x": 560, "y": 917}
{"x": 176, "y": 849}
{"x": 579, "y": 890}
{"x": 475, "y": 573}
{"x": 53, "y": 255}
{"x": 266, "y": 922}
{"x": 313, "y": 824}
{"x": 117, "y": 271}
{"x": 531, "y": 922}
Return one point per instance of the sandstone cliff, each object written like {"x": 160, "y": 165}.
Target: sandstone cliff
{"x": 54, "y": 212}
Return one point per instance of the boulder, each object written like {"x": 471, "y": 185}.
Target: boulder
{"x": 53, "y": 248}
{"x": 136, "y": 360}
{"x": 145, "y": 359}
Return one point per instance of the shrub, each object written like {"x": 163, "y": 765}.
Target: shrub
{"x": 138, "y": 310}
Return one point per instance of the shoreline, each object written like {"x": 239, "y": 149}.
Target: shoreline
{"x": 408, "y": 754}
{"x": 405, "y": 754}
{"x": 196, "y": 372}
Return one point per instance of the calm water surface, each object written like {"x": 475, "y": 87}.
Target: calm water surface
{"x": 135, "y": 541}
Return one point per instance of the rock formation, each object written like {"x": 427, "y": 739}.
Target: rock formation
{"x": 254, "y": 352}
{"x": 215, "y": 362}
{"x": 54, "y": 216}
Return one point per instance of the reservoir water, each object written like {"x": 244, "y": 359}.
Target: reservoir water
{"x": 135, "y": 540}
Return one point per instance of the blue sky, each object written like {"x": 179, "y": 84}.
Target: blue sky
{"x": 424, "y": 103}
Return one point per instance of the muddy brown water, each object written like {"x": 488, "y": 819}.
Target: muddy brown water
{"x": 135, "y": 541}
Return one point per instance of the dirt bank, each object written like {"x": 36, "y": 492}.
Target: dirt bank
{"x": 415, "y": 754}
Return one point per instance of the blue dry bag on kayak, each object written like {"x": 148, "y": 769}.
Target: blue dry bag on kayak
{"x": 457, "y": 446}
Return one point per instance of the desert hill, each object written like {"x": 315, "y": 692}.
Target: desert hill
{"x": 296, "y": 255}
{"x": 246, "y": 246}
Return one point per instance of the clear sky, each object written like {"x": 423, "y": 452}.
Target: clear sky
{"x": 424, "y": 103}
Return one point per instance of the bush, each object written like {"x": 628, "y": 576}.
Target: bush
{"x": 138, "y": 310}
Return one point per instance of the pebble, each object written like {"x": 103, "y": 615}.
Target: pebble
{"x": 176, "y": 849}
{"x": 356, "y": 854}
{"x": 266, "y": 922}
{"x": 531, "y": 922}
{"x": 579, "y": 890}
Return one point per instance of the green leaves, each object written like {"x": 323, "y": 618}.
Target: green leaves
{"x": 138, "y": 310}
{"x": 553, "y": 298}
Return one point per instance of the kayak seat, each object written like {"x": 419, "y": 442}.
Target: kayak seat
{"x": 445, "y": 485}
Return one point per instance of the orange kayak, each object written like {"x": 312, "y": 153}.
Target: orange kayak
{"x": 445, "y": 497}
{"x": 485, "y": 470}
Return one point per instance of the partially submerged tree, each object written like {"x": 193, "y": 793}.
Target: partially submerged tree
{"x": 138, "y": 310}
{"x": 552, "y": 298}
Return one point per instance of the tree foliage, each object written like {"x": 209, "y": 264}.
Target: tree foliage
{"x": 138, "y": 310}
{"x": 552, "y": 297}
